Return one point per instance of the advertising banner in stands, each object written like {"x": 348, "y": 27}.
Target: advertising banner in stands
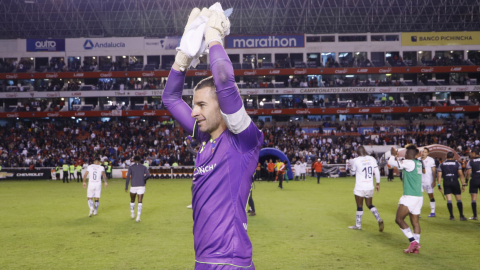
{"x": 251, "y": 91}
{"x": 265, "y": 41}
{"x": 167, "y": 43}
{"x": 440, "y": 38}
{"x": 42, "y": 174}
{"x": 116, "y": 44}
{"x": 306, "y": 111}
{"x": 245, "y": 72}
{"x": 45, "y": 45}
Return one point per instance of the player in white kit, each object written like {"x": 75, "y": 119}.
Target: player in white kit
{"x": 428, "y": 178}
{"x": 96, "y": 173}
{"x": 365, "y": 167}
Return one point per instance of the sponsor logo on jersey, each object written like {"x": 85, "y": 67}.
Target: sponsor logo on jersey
{"x": 204, "y": 169}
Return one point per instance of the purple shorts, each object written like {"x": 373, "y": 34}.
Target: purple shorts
{"x": 205, "y": 266}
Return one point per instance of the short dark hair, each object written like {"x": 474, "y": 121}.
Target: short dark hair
{"x": 137, "y": 158}
{"x": 450, "y": 155}
{"x": 207, "y": 82}
{"x": 425, "y": 148}
{"x": 412, "y": 147}
{"x": 97, "y": 159}
{"x": 476, "y": 150}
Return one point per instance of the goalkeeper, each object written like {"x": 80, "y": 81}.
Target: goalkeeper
{"x": 229, "y": 148}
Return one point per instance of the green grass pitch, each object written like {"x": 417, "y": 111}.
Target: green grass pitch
{"x": 45, "y": 225}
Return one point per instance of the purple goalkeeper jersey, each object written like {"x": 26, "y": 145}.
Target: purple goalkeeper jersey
{"x": 222, "y": 182}
{"x": 224, "y": 169}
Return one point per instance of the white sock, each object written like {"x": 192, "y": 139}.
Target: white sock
{"x": 417, "y": 237}
{"x": 359, "y": 219}
{"x": 375, "y": 213}
{"x": 132, "y": 208}
{"x": 139, "y": 209}
{"x": 97, "y": 203}
{"x": 90, "y": 203}
{"x": 432, "y": 206}
{"x": 407, "y": 232}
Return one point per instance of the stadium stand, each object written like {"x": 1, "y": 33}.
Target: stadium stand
{"x": 45, "y": 143}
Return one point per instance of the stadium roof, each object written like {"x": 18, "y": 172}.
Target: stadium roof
{"x": 97, "y": 18}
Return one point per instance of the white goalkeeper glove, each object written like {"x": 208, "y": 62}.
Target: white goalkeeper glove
{"x": 218, "y": 26}
{"x": 181, "y": 59}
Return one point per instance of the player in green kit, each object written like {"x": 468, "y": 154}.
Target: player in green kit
{"x": 411, "y": 202}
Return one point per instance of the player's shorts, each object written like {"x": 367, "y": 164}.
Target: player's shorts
{"x": 452, "y": 188}
{"x": 474, "y": 186}
{"x": 363, "y": 193}
{"x": 205, "y": 266}
{"x": 93, "y": 191}
{"x": 137, "y": 190}
{"x": 427, "y": 188}
{"x": 413, "y": 203}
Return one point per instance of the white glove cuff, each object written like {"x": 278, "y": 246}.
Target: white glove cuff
{"x": 213, "y": 34}
{"x": 182, "y": 60}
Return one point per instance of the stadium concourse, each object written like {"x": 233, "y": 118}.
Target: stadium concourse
{"x": 48, "y": 144}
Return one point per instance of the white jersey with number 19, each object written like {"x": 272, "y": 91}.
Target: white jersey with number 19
{"x": 95, "y": 174}
{"x": 364, "y": 168}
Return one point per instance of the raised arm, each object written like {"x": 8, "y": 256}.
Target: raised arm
{"x": 231, "y": 105}
{"x": 172, "y": 99}
{"x": 172, "y": 95}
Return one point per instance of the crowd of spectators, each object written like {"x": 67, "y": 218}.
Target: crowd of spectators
{"x": 162, "y": 143}
{"x": 53, "y": 143}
